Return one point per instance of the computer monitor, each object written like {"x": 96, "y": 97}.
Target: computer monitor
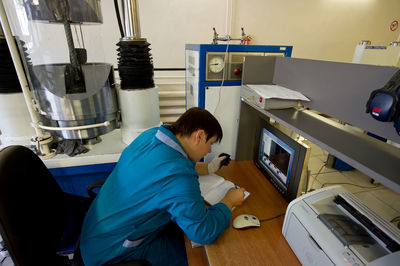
{"x": 282, "y": 159}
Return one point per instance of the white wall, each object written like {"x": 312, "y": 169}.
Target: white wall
{"x": 169, "y": 25}
{"x": 318, "y": 29}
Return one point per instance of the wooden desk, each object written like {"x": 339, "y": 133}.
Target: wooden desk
{"x": 258, "y": 246}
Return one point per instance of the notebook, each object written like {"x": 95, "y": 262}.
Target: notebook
{"x": 214, "y": 187}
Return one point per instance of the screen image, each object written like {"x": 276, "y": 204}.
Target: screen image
{"x": 276, "y": 156}
{"x": 282, "y": 159}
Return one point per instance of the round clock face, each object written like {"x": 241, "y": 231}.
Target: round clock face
{"x": 216, "y": 64}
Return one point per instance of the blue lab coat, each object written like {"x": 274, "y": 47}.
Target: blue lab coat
{"x": 153, "y": 183}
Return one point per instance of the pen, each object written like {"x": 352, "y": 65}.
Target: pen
{"x": 235, "y": 185}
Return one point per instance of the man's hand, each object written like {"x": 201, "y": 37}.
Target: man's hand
{"x": 234, "y": 197}
{"x": 218, "y": 161}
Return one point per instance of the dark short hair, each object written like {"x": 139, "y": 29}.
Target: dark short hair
{"x": 194, "y": 119}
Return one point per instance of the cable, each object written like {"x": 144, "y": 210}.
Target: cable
{"x": 328, "y": 183}
{"x": 395, "y": 219}
{"x": 223, "y": 76}
{"x": 317, "y": 174}
{"x": 347, "y": 184}
{"x": 272, "y": 218}
{"x": 80, "y": 29}
{"x": 77, "y": 36}
{"x": 121, "y": 29}
{"x": 312, "y": 183}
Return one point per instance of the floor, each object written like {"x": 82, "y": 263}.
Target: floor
{"x": 377, "y": 197}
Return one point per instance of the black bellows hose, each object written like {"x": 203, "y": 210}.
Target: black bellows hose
{"x": 135, "y": 64}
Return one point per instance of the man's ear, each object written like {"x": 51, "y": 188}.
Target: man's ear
{"x": 199, "y": 135}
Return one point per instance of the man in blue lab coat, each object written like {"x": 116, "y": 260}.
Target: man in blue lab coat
{"x": 153, "y": 193}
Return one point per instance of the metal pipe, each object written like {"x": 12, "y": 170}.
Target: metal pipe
{"x": 131, "y": 19}
{"x": 228, "y": 17}
{"x": 105, "y": 124}
{"x": 21, "y": 77}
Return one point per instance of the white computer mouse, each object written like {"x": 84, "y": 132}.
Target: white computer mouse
{"x": 245, "y": 221}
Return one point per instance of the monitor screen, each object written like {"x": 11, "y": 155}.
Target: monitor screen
{"x": 282, "y": 159}
{"x": 276, "y": 156}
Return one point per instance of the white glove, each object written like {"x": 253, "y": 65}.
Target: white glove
{"x": 218, "y": 161}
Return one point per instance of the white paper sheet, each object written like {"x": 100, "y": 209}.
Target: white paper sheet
{"x": 213, "y": 188}
{"x": 276, "y": 91}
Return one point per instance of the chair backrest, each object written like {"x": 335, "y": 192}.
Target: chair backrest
{"x": 32, "y": 208}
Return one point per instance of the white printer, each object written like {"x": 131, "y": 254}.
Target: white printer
{"x": 330, "y": 226}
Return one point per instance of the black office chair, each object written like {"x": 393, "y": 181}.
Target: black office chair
{"x": 38, "y": 221}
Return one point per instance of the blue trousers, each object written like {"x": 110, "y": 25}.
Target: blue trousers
{"x": 164, "y": 247}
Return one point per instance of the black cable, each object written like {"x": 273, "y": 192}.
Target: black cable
{"x": 395, "y": 219}
{"x": 163, "y": 69}
{"x": 121, "y": 29}
{"x": 269, "y": 219}
{"x": 315, "y": 178}
{"x": 170, "y": 69}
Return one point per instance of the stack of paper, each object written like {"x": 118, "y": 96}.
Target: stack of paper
{"x": 271, "y": 96}
{"x": 278, "y": 92}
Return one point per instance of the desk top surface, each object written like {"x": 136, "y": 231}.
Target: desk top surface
{"x": 257, "y": 246}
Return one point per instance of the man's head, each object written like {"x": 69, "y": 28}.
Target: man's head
{"x": 197, "y": 130}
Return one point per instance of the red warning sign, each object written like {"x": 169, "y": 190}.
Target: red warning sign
{"x": 394, "y": 25}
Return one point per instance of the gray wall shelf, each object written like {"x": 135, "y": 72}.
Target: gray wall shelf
{"x": 377, "y": 159}
{"x": 339, "y": 90}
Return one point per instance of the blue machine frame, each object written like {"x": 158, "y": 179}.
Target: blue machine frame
{"x": 203, "y": 49}
{"x": 76, "y": 179}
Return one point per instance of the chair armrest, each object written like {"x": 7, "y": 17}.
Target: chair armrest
{"x": 93, "y": 186}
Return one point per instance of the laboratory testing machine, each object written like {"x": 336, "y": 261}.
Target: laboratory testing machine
{"x": 71, "y": 90}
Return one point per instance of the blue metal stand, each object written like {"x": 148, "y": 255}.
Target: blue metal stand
{"x": 203, "y": 49}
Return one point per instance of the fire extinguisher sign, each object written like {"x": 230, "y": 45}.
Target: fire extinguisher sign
{"x": 394, "y": 25}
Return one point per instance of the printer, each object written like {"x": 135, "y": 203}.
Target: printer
{"x": 330, "y": 226}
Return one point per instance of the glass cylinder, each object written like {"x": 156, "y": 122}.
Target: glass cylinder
{"x": 69, "y": 79}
